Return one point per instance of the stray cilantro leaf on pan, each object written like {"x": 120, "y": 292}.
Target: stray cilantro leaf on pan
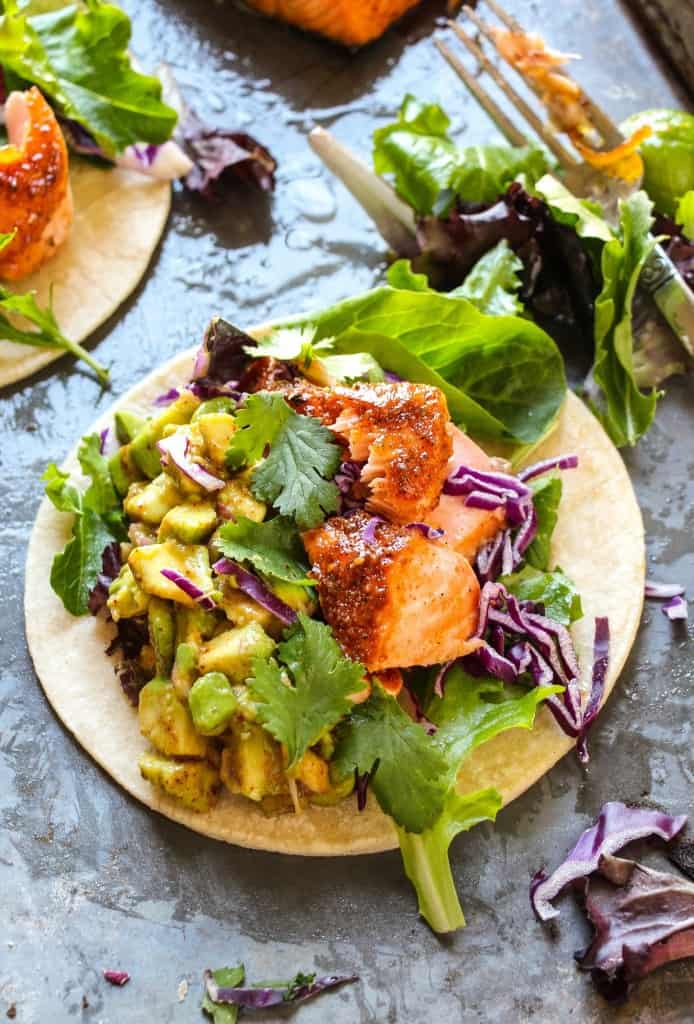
{"x": 223, "y": 992}
{"x": 47, "y": 333}
{"x": 323, "y": 681}
{"x": 297, "y": 475}
{"x": 224, "y": 977}
{"x": 273, "y": 547}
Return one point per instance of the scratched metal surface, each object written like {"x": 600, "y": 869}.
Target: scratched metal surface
{"x": 88, "y": 878}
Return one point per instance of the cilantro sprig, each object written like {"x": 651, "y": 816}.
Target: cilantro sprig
{"x": 307, "y": 689}
{"x": 273, "y": 548}
{"x": 297, "y": 475}
{"x": 98, "y": 520}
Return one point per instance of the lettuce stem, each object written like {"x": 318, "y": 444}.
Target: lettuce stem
{"x": 427, "y": 866}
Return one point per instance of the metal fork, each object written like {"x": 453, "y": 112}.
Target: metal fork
{"x": 660, "y": 277}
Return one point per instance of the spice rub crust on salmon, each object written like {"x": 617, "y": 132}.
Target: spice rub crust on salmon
{"x": 35, "y": 196}
{"x": 392, "y": 597}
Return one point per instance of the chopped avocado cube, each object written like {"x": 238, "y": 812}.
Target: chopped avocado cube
{"x": 241, "y": 610}
{"x": 191, "y": 560}
{"x": 162, "y": 634}
{"x": 245, "y": 705}
{"x": 190, "y": 522}
{"x": 337, "y": 790}
{"x": 312, "y": 771}
{"x": 301, "y": 599}
{"x": 125, "y": 598}
{"x": 220, "y": 404}
{"x": 217, "y": 429}
{"x": 185, "y": 668}
{"x": 151, "y": 501}
{"x": 144, "y": 444}
{"x": 252, "y": 763}
{"x": 212, "y": 703}
{"x": 194, "y": 783}
{"x": 193, "y": 625}
{"x": 235, "y": 499}
{"x": 166, "y": 721}
{"x": 123, "y": 470}
{"x": 233, "y": 651}
{"x": 128, "y": 425}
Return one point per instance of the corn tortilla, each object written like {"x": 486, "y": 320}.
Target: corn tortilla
{"x": 598, "y": 541}
{"x": 119, "y": 218}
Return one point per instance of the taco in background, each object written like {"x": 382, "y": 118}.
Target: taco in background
{"x": 330, "y": 603}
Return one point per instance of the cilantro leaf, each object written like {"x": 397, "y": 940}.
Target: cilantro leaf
{"x": 547, "y": 491}
{"x": 289, "y": 344}
{"x": 296, "y": 477}
{"x": 323, "y": 680}
{"x": 224, "y": 1013}
{"x": 97, "y": 521}
{"x": 273, "y": 548}
{"x": 554, "y": 590}
{"x": 258, "y": 423}
{"x": 411, "y": 775}
{"x": 47, "y": 333}
{"x": 78, "y": 56}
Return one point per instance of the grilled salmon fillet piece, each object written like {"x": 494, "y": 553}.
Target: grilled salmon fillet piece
{"x": 352, "y": 22}
{"x": 35, "y": 196}
{"x": 402, "y": 432}
{"x": 393, "y": 598}
{"x": 465, "y": 529}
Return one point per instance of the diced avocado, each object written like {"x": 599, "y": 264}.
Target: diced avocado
{"x": 252, "y": 763}
{"x": 220, "y": 404}
{"x": 185, "y": 668}
{"x": 191, "y": 560}
{"x": 312, "y": 771}
{"x": 151, "y": 501}
{"x": 235, "y": 499}
{"x": 245, "y": 705}
{"x": 140, "y": 535}
{"x": 128, "y": 425}
{"x": 166, "y": 721}
{"x": 125, "y": 598}
{"x": 338, "y": 790}
{"x": 191, "y": 522}
{"x": 233, "y": 651}
{"x": 217, "y": 429}
{"x": 241, "y": 610}
{"x": 144, "y": 444}
{"x": 123, "y": 470}
{"x": 301, "y": 599}
{"x": 212, "y": 703}
{"x": 194, "y": 783}
{"x": 162, "y": 634}
{"x": 193, "y": 625}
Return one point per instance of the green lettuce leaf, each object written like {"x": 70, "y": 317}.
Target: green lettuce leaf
{"x": 97, "y": 521}
{"x": 668, "y": 155}
{"x": 506, "y": 367}
{"x": 321, "y": 682}
{"x": 78, "y": 56}
{"x": 426, "y": 163}
{"x": 623, "y": 409}
{"x": 547, "y": 491}
{"x": 224, "y": 1013}
{"x": 685, "y": 213}
{"x": 553, "y": 589}
{"x": 273, "y": 548}
{"x": 298, "y": 345}
{"x": 584, "y": 216}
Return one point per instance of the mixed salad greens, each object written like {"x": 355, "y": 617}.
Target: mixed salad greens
{"x": 495, "y": 224}
{"x": 190, "y": 535}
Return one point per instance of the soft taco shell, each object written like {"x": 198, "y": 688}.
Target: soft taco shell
{"x": 119, "y": 219}
{"x": 598, "y": 541}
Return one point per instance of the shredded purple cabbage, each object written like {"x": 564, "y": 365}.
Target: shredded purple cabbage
{"x": 190, "y": 589}
{"x": 110, "y": 567}
{"x": 675, "y": 609}
{"x": 642, "y": 920}
{"x": 662, "y": 591}
{"x": 298, "y": 990}
{"x": 108, "y": 442}
{"x": 430, "y": 532}
{"x": 175, "y": 448}
{"x": 368, "y": 532}
{"x": 167, "y": 398}
{"x": 255, "y": 588}
{"x": 601, "y": 661}
{"x": 616, "y": 826}
{"x": 119, "y": 978}
{"x": 361, "y": 787}
{"x": 348, "y": 474}
{"x": 440, "y": 679}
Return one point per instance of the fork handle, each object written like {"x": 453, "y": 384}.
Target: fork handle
{"x": 661, "y": 279}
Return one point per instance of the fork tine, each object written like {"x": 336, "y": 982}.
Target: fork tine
{"x": 562, "y": 154}
{"x": 497, "y": 115}
{"x": 605, "y": 125}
